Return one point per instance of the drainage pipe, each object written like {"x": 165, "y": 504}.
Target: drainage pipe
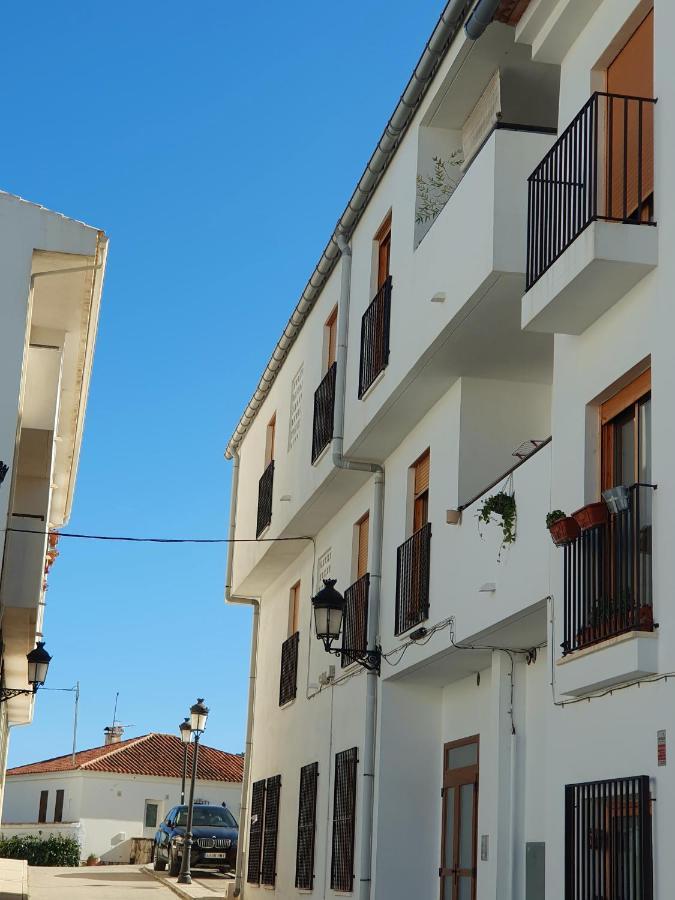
{"x": 483, "y": 13}
{"x": 253, "y": 669}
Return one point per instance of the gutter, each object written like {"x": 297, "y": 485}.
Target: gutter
{"x": 437, "y": 46}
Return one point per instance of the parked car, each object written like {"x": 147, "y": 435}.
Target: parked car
{"x": 214, "y": 834}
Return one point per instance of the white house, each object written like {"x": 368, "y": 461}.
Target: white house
{"x": 492, "y": 318}
{"x": 109, "y": 795}
{"x": 51, "y": 278}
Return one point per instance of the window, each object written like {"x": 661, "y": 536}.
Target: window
{"x": 626, "y": 434}
{"x": 58, "y": 806}
{"x": 42, "y": 811}
{"x": 330, "y": 338}
{"x": 255, "y": 835}
{"x": 288, "y": 679}
{"x": 608, "y": 840}
{"x": 304, "y": 858}
{"x": 344, "y": 821}
{"x": 269, "y": 440}
{"x": 420, "y": 505}
{"x": 362, "y": 527}
{"x": 414, "y": 555}
{"x": 268, "y": 873}
{"x": 383, "y": 241}
{"x": 266, "y": 483}
{"x": 294, "y": 609}
{"x": 460, "y": 820}
{"x": 151, "y": 814}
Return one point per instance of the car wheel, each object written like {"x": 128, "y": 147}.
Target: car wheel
{"x": 174, "y": 863}
{"x": 157, "y": 864}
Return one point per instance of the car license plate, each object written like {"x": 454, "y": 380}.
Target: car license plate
{"x": 215, "y": 855}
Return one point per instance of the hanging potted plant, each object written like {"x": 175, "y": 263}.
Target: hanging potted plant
{"x": 562, "y": 528}
{"x": 502, "y": 505}
{"x": 591, "y": 515}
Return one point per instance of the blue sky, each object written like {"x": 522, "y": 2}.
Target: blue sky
{"x": 216, "y": 144}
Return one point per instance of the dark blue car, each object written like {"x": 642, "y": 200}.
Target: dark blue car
{"x": 214, "y": 839}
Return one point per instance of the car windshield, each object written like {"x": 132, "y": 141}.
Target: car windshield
{"x": 215, "y": 816}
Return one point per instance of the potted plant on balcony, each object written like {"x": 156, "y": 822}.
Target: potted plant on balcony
{"x": 503, "y": 505}
{"x": 92, "y": 860}
{"x": 592, "y": 515}
{"x": 562, "y": 528}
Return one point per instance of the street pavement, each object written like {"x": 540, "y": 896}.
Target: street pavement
{"x": 100, "y": 882}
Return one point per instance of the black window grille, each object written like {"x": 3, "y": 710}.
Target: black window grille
{"x": 324, "y": 407}
{"x": 304, "y": 859}
{"x": 265, "y": 486}
{"x": 255, "y": 834}
{"x": 601, "y": 167}
{"x": 289, "y": 669}
{"x": 375, "y": 337}
{"x": 412, "y": 580}
{"x": 355, "y": 623}
{"x": 344, "y": 820}
{"x": 268, "y": 869}
{"x": 608, "y": 840}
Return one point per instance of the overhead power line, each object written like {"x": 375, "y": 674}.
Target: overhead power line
{"x": 158, "y": 540}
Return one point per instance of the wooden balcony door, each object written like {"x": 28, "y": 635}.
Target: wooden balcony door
{"x": 420, "y": 513}
{"x": 460, "y": 820}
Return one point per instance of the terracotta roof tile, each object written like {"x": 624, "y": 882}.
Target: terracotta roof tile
{"x": 152, "y": 754}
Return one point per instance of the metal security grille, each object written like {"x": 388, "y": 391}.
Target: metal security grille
{"x": 324, "y": 405}
{"x": 375, "y": 337}
{"x": 412, "y": 580}
{"x": 601, "y": 167}
{"x": 304, "y": 859}
{"x": 268, "y": 870}
{"x": 608, "y": 840}
{"x": 344, "y": 814}
{"x": 355, "y": 625}
{"x": 265, "y": 486}
{"x": 255, "y": 834}
{"x": 289, "y": 669}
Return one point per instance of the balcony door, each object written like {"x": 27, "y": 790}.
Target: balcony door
{"x": 460, "y": 820}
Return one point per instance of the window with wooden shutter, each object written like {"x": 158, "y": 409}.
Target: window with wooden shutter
{"x": 268, "y": 869}
{"x": 255, "y": 835}
{"x": 58, "y": 807}
{"x": 42, "y": 811}
{"x": 294, "y": 609}
{"x": 288, "y": 679}
{"x": 331, "y": 339}
{"x": 362, "y": 546}
{"x": 344, "y": 821}
{"x": 421, "y": 491}
{"x": 304, "y": 859}
{"x": 269, "y": 440}
{"x": 383, "y": 241}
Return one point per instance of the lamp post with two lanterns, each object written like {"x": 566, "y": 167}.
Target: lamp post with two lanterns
{"x": 196, "y": 725}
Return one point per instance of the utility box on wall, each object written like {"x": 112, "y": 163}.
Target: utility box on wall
{"x": 535, "y": 871}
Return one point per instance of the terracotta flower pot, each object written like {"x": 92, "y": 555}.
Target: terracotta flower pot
{"x": 646, "y": 617}
{"x": 93, "y": 861}
{"x": 564, "y": 531}
{"x": 591, "y": 515}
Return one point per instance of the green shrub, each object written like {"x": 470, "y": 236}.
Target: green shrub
{"x": 56, "y": 850}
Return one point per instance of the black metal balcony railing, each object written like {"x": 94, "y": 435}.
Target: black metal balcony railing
{"x": 601, "y": 167}
{"x": 324, "y": 406}
{"x": 412, "y": 580}
{"x": 608, "y": 576}
{"x": 375, "y": 338}
{"x": 355, "y": 625}
{"x": 265, "y": 486}
{"x": 288, "y": 680}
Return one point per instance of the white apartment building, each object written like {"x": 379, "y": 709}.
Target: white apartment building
{"x": 489, "y": 320}
{"x": 51, "y": 278}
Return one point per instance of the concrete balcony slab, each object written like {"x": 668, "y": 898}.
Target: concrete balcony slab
{"x": 613, "y": 662}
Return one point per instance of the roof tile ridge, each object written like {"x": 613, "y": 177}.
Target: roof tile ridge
{"x": 117, "y": 748}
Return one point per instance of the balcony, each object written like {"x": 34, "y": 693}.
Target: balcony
{"x": 413, "y": 560}
{"x": 596, "y": 180}
{"x": 355, "y": 625}
{"x": 375, "y": 338}
{"x": 265, "y": 488}
{"x": 324, "y": 405}
{"x": 288, "y": 680}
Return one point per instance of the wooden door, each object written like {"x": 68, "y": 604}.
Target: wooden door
{"x": 459, "y": 832}
{"x": 362, "y": 547}
{"x": 42, "y": 811}
{"x": 331, "y": 338}
{"x": 630, "y": 124}
{"x": 383, "y": 238}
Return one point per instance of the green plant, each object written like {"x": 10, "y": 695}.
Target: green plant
{"x": 503, "y": 505}
{"x": 555, "y": 516}
{"x": 92, "y": 858}
{"x": 56, "y": 850}
{"x": 434, "y": 191}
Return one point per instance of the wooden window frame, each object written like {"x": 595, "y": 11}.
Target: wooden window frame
{"x": 330, "y": 339}
{"x": 294, "y": 608}
{"x": 629, "y": 396}
{"x": 419, "y": 514}
{"x": 382, "y": 242}
{"x": 455, "y": 778}
{"x": 358, "y": 548}
{"x": 270, "y": 437}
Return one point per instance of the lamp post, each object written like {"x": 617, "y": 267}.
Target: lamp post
{"x": 198, "y": 716}
{"x": 329, "y": 608}
{"x": 38, "y": 664}
{"x": 185, "y": 733}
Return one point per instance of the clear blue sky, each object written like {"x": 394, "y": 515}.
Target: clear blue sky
{"x": 216, "y": 143}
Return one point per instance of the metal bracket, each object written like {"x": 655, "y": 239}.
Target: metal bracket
{"x": 9, "y": 693}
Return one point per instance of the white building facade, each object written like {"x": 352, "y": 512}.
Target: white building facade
{"x": 51, "y": 278}
{"x": 491, "y": 319}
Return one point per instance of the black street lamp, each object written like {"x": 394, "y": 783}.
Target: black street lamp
{"x": 198, "y": 716}
{"x": 329, "y": 609}
{"x": 38, "y": 664}
{"x": 185, "y": 732}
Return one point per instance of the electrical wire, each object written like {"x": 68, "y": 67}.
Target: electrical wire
{"x": 158, "y": 540}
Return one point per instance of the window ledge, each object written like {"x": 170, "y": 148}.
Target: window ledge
{"x": 615, "y": 661}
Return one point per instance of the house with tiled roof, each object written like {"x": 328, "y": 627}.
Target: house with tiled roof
{"x": 110, "y": 796}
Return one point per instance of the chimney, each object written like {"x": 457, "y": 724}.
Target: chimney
{"x": 113, "y": 734}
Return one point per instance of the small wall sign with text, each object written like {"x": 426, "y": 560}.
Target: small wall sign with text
{"x": 661, "y": 747}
